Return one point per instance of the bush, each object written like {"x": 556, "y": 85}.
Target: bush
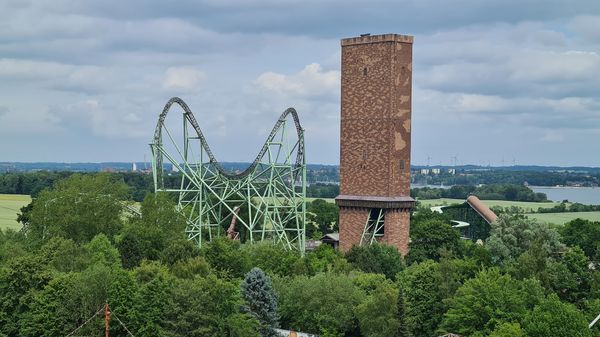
{"x": 376, "y": 258}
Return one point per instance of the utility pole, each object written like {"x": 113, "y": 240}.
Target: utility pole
{"x": 106, "y": 318}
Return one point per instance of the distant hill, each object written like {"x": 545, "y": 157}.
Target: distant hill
{"x": 233, "y": 166}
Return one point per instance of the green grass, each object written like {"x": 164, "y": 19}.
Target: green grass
{"x": 562, "y": 218}
{"x": 526, "y": 206}
{"x": 10, "y": 204}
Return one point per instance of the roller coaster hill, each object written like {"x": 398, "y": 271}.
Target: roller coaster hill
{"x": 264, "y": 202}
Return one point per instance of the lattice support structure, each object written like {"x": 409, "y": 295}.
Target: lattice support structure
{"x": 270, "y": 192}
{"x": 373, "y": 227}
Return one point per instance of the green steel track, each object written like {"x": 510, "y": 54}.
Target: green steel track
{"x": 270, "y": 193}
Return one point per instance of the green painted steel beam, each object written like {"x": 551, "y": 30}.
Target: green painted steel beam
{"x": 272, "y": 189}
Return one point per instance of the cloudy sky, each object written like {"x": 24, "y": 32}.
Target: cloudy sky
{"x": 495, "y": 82}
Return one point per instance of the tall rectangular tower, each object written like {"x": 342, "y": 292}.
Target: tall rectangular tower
{"x": 374, "y": 198}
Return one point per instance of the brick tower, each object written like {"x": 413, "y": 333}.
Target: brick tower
{"x": 374, "y": 198}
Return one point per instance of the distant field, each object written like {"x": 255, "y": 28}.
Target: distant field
{"x": 526, "y": 206}
{"x": 331, "y": 200}
{"x": 561, "y": 218}
{"x": 10, "y": 204}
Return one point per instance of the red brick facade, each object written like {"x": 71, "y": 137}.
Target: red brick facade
{"x": 375, "y": 136}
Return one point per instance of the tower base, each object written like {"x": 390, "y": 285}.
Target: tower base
{"x": 366, "y": 219}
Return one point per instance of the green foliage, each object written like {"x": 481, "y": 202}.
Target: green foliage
{"x": 424, "y": 306}
{"x": 489, "y": 299}
{"x": 592, "y": 310}
{"x": 71, "y": 298}
{"x": 512, "y": 192}
{"x": 401, "y": 305}
{"x": 322, "y": 304}
{"x": 430, "y": 238}
{"x": 226, "y": 257}
{"x": 190, "y": 268}
{"x": 31, "y": 183}
{"x": 17, "y": 279}
{"x": 200, "y": 306}
{"x": 272, "y": 258}
{"x": 320, "y": 190}
{"x": 64, "y": 255}
{"x": 324, "y": 214}
{"x": 565, "y": 207}
{"x": 585, "y": 234}
{"x": 78, "y": 208}
{"x": 101, "y": 251}
{"x": 12, "y": 244}
{"x": 155, "y": 290}
{"x": 378, "y": 314}
{"x": 261, "y": 301}
{"x": 508, "y": 330}
{"x": 376, "y": 258}
{"x": 243, "y": 325}
{"x": 552, "y": 317}
{"x": 512, "y": 235}
{"x": 325, "y": 259}
{"x": 156, "y": 230}
{"x": 579, "y": 276}
{"x": 179, "y": 249}
{"x": 160, "y": 284}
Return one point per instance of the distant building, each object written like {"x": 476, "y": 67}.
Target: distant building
{"x": 424, "y": 171}
{"x": 472, "y": 218}
{"x": 452, "y": 171}
{"x": 332, "y": 239}
{"x": 134, "y": 167}
{"x": 289, "y": 333}
{"x": 436, "y": 171}
{"x": 311, "y": 245}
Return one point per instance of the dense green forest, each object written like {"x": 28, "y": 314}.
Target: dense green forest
{"x": 78, "y": 250}
{"x": 139, "y": 184}
{"x": 505, "y": 176}
{"x": 322, "y": 181}
{"x": 487, "y": 192}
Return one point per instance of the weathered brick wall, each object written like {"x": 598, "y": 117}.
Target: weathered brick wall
{"x": 397, "y": 229}
{"x": 350, "y": 235}
{"x": 376, "y": 114}
{"x": 375, "y": 132}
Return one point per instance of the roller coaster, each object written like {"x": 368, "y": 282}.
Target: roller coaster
{"x": 266, "y": 201}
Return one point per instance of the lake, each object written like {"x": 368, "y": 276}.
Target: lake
{"x": 583, "y": 195}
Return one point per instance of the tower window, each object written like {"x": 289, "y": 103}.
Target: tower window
{"x": 365, "y": 71}
{"x": 376, "y": 220}
{"x": 401, "y": 165}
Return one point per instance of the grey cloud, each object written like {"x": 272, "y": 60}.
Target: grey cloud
{"x": 588, "y": 26}
{"x": 102, "y": 70}
{"x": 331, "y": 18}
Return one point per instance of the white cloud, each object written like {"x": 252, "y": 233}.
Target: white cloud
{"x": 29, "y": 70}
{"x": 570, "y": 65}
{"x": 312, "y": 81}
{"x": 551, "y": 136}
{"x": 101, "y": 120}
{"x": 183, "y": 78}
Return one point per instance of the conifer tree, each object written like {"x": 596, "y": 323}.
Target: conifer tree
{"x": 261, "y": 300}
